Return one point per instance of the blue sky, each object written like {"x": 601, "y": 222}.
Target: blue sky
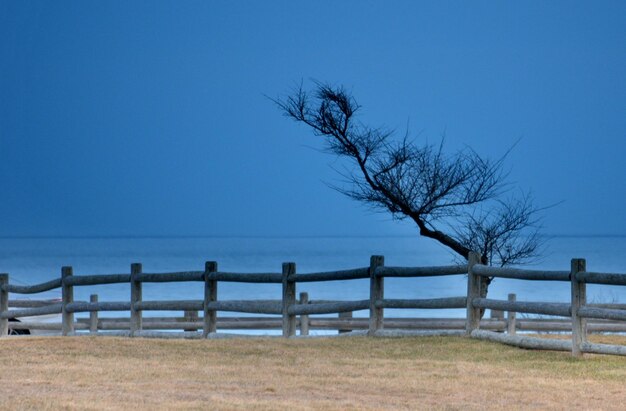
{"x": 150, "y": 118}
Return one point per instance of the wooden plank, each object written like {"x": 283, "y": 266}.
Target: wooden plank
{"x": 329, "y": 308}
{"x": 172, "y": 305}
{"x": 169, "y": 335}
{"x": 245, "y": 306}
{"x": 37, "y": 325}
{"x": 421, "y": 271}
{"x": 81, "y": 280}
{"x": 44, "y": 326}
{"x": 31, "y": 303}
{"x": 105, "y": 334}
{"x": 430, "y": 303}
{"x": 601, "y": 313}
{"x": 267, "y": 278}
{"x": 601, "y": 278}
{"x": 377, "y": 292}
{"x": 67, "y": 292}
{"x": 226, "y": 336}
{"x": 33, "y": 289}
{"x": 30, "y": 312}
{"x": 180, "y": 276}
{"x": 603, "y": 349}
{"x": 523, "y": 342}
{"x": 257, "y": 324}
{"x": 558, "y": 309}
{"x": 289, "y": 299}
{"x": 353, "y": 274}
{"x": 330, "y": 323}
{"x": 520, "y": 274}
{"x": 417, "y": 333}
{"x": 83, "y": 306}
{"x": 614, "y": 306}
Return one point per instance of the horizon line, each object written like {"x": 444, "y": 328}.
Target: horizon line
{"x": 270, "y": 236}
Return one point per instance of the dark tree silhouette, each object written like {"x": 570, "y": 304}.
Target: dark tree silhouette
{"x": 460, "y": 199}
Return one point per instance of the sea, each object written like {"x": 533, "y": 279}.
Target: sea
{"x": 36, "y": 260}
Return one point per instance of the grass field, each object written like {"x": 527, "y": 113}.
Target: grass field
{"x": 334, "y": 373}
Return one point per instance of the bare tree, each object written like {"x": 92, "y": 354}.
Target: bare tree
{"x": 460, "y": 199}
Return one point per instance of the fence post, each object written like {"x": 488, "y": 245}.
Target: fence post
{"x": 93, "y": 315}
{"x": 344, "y": 316}
{"x": 67, "y": 296}
{"x": 289, "y": 299}
{"x": 304, "y": 318}
{"x": 135, "y": 297}
{"x": 511, "y": 320}
{"x": 190, "y": 316}
{"x": 579, "y": 299}
{"x": 4, "y": 304}
{"x": 377, "y": 293}
{"x": 210, "y": 295}
{"x": 496, "y": 314}
{"x": 473, "y": 291}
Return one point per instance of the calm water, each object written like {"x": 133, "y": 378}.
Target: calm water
{"x": 30, "y": 261}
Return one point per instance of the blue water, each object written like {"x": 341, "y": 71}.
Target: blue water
{"x": 35, "y": 260}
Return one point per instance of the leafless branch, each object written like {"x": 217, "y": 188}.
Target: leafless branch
{"x": 454, "y": 198}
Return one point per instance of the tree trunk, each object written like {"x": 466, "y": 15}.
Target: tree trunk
{"x": 484, "y": 290}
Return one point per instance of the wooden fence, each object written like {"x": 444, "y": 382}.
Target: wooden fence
{"x": 290, "y": 313}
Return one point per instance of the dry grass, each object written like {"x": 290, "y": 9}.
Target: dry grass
{"x": 347, "y": 373}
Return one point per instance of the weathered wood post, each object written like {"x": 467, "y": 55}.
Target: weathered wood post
{"x": 473, "y": 291}
{"x": 497, "y": 315}
{"x": 344, "y": 316}
{"x": 579, "y": 299}
{"x": 210, "y": 295}
{"x": 289, "y": 299}
{"x": 511, "y": 318}
{"x": 304, "y": 318}
{"x": 67, "y": 296}
{"x": 93, "y": 315}
{"x": 135, "y": 297}
{"x": 190, "y": 316}
{"x": 4, "y": 304}
{"x": 377, "y": 293}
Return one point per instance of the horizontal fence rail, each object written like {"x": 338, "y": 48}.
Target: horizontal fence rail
{"x": 30, "y": 312}
{"x": 79, "y": 306}
{"x": 292, "y": 312}
{"x": 342, "y": 323}
{"x": 519, "y": 274}
{"x": 578, "y": 310}
{"x": 329, "y": 308}
{"x": 95, "y": 279}
{"x": 432, "y": 303}
{"x": 601, "y": 278}
{"x": 559, "y": 309}
{"x": 358, "y": 273}
{"x": 420, "y": 271}
{"x": 260, "y": 278}
{"x": 602, "y": 313}
{"x": 31, "y": 289}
